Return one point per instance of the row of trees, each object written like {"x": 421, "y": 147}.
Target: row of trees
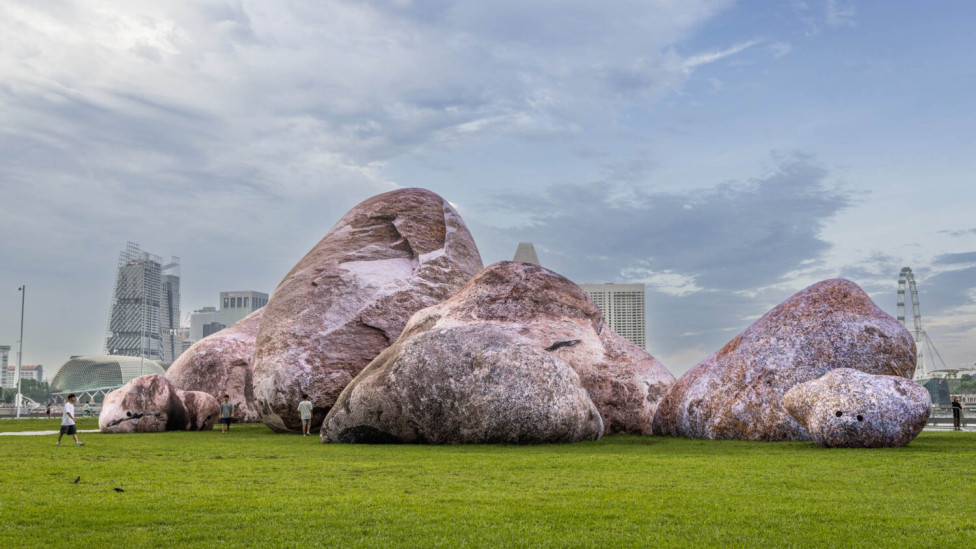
{"x": 38, "y": 391}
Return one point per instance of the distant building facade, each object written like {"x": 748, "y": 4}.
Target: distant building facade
{"x": 212, "y": 328}
{"x": 200, "y": 318}
{"x": 4, "y": 357}
{"x": 525, "y": 253}
{"x": 145, "y": 313}
{"x": 236, "y": 305}
{"x": 27, "y": 371}
{"x": 623, "y": 309}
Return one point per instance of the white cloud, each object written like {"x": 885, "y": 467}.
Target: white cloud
{"x": 711, "y": 57}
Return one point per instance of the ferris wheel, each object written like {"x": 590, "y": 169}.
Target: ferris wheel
{"x": 923, "y": 345}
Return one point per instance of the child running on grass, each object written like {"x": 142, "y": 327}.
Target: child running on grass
{"x": 305, "y": 409}
{"x": 68, "y": 426}
{"x": 226, "y": 412}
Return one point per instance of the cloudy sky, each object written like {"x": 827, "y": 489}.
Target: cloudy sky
{"x": 726, "y": 154}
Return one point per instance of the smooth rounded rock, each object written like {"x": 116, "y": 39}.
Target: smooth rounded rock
{"x": 473, "y": 384}
{"x": 221, "y": 364}
{"x": 151, "y": 404}
{"x": 850, "y": 409}
{"x": 551, "y": 313}
{"x": 351, "y": 295}
{"x": 737, "y": 392}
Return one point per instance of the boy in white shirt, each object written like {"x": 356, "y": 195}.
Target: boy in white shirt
{"x": 68, "y": 426}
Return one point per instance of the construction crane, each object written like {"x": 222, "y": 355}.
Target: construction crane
{"x": 923, "y": 345}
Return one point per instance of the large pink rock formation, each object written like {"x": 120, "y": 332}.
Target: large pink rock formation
{"x": 151, "y": 404}
{"x": 547, "y": 311}
{"x": 737, "y": 392}
{"x": 467, "y": 384}
{"x": 220, "y": 364}
{"x": 351, "y": 295}
{"x": 850, "y": 409}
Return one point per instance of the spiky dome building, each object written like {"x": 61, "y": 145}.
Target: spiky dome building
{"x": 99, "y": 374}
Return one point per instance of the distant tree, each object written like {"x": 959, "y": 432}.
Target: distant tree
{"x": 966, "y": 377}
{"x": 38, "y": 391}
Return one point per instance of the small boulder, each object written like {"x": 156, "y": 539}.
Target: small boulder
{"x": 474, "y": 384}
{"x": 554, "y": 315}
{"x": 220, "y": 364}
{"x": 850, "y": 409}
{"x": 151, "y": 404}
{"x": 351, "y": 295}
{"x": 737, "y": 392}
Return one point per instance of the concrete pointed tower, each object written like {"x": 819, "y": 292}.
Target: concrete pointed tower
{"x": 525, "y": 253}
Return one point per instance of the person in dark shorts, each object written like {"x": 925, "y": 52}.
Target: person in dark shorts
{"x": 956, "y": 414}
{"x": 68, "y": 424}
{"x": 305, "y": 411}
{"x": 226, "y": 413}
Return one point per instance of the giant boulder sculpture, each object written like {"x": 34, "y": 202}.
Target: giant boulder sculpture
{"x": 351, "y": 295}
{"x": 220, "y": 364}
{"x": 469, "y": 384}
{"x": 151, "y": 404}
{"x": 550, "y": 313}
{"x": 736, "y": 393}
{"x": 851, "y": 409}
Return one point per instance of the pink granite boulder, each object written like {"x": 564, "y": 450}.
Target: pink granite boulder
{"x": 737, "y": 392}
{"x": 151, "y": 404}
{"x": 351, "y": 295}
{"x": 549, "y": 312}
{"x": 464, "y": 385}
{"x": 850, "y": 409}
{"x": 220, "y": 364}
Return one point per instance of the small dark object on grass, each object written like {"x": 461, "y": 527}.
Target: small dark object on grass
{"x": 77, "y": 479}
{"x": 118, "y": 489}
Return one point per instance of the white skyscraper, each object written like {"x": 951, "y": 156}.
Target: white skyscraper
{"x": 623, "y": 309}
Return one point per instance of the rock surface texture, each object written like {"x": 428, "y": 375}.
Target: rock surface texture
{"x": 850, "y": 409}
{"x": 736, "y": 393}
{"x": 151, "y": 404}
{"x": 473, "y": 384}
{"x": 350, "y": 296}
{"x": 220, "y": 364}
{"x": 544, "y": 310}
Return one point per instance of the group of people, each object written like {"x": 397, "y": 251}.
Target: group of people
{"x": 304, "y": 411}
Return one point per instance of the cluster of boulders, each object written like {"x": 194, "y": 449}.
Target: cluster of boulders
{"x": 151, "y": 403}
{"x": 397, "y": 333}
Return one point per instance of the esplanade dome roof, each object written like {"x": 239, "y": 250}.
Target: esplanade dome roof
{"x": 93, "y": 372}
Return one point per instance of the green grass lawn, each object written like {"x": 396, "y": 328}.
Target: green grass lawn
{"x": 256, "y": 488}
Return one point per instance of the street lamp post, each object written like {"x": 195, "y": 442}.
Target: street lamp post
{"x": 20, "y": 350}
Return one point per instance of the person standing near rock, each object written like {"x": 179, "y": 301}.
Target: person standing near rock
{"x": 68, "y": 421}
{"x": 956, "y": 414}
{"x": 305, "y": 410}
{"x": 226, "y": 414}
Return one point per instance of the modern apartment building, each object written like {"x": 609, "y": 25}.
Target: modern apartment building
{"x": 623, "y": 309}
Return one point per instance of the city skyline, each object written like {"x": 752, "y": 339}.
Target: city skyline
{"x": 724, "y": 154}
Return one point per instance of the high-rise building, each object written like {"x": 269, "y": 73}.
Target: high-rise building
{"x": 236, "y": 305}
{"x": 4, "y": 357}
{"x": 145, "y": 314}
{"x": 525, "y": 253}
{"x": 200, "y": 318}
{"x": 623, "y": 309}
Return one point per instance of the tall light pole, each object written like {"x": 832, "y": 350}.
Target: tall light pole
{"x": 20, "y": 349}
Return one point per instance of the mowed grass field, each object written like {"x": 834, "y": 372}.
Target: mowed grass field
{"x": 255, "y": 488}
